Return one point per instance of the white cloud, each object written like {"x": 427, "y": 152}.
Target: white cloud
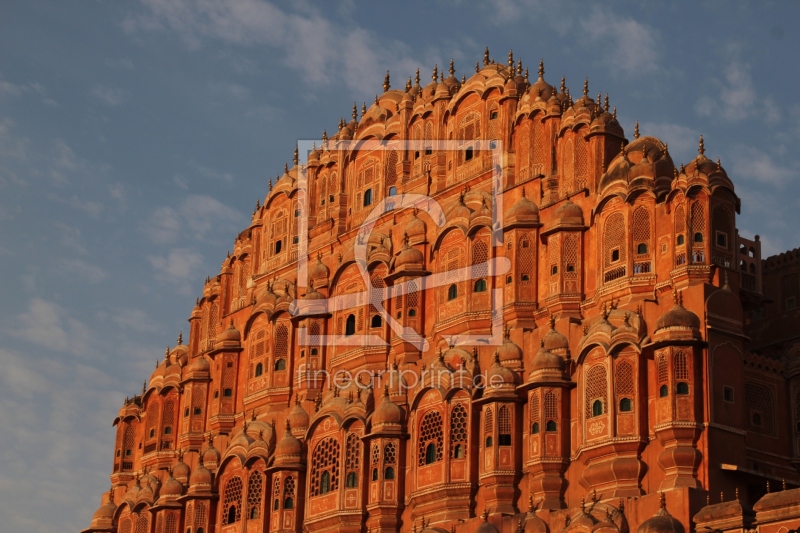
{"x": 46, "y": 324}
{"x": 322, "y": 51}
{"x": 631, "y": 47}
{"x": 179, "y": 267}
{"x": 682, "y": 140}
{"x": 196, "y": 216}
{"x": 91, "y": 272}
{"x": 750, "y": 163}
{"x": 135, "y": 319}
{"x": 110, "y": 96}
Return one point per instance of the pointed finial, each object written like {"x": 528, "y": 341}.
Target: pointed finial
{"x": 526, "y": 75}
{"x": 531, "y": 508}
{"x": 486, "y": 56}
{"x": 721, "y": 497}
{"x": 477, "y": 68}
{"x": 408, "y": 84}
{"x": 376, "y": 99}
{"x": 605, "y": 104}
{"x": 563, "y": 85}
{"x": 622, "y": 148}
{"x": 363, "y": 109}
{"x": 485, "y": 514}
{"x": 614, "y": 114}
{"x": 541, "y": 69}
{"x": 662, "y": 501}
{"x": 783, "y": 483}
{"x": 452, "y": 67}
{"x": 510, "y": 59}
{"x": 144, "y": 385}
{"x": 386, "y": 85}
{"x": 701, "y": 149}
{"x": 583, "y": 504}
{"x": 719, "y": 165}
{"x": 296, "y": 158}
{"x": 586, "y": 87}
{"x": 736, "y": 494}
{"x": 435, "y": 74}
{"x": 636, "y": 130}
{"x": 708, "y": 496}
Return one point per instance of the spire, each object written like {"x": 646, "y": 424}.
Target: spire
{"x": 416, "y": 78}
{"x": 662, "y": 501}
{"x": 355, "y": 112}
{"x": 586, "y": 87}
{"x": 477, "y": 68}
{"x": 180, "y": 338}
{"x": 605, "y": 104}
{"x": 615, "y": 113}
{"x": 386, "y": 85}
{"x": 363, "y": 109}
{"x": 636, "y": 130}
{"x": 463, "y": 79}
{"x": 563, "y": 85}
{"x": 511, "y": 60}
{"x": 296, "y": 158}
{"x": 285, "y": 168}
{"x": 408, "y": 84}
{"x": 486, "y": 57}
{"x": 701, "y": 149}
{"x": 526, "y": 75}
{"x": 435, "y": 74}
{"x": 452, "y": 68}
{"x": 519, "y": 67}
{"x": 541, "y": 69}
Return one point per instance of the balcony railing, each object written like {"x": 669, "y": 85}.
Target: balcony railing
{"x": 614, "y": 273}
{"x": 642, "y": 267}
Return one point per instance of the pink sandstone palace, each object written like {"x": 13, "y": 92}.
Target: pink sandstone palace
{"x": 565, "y": 333}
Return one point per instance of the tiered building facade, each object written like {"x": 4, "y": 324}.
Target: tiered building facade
{"x": 600, "y": 350}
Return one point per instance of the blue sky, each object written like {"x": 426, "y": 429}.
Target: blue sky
{"x": 135, "y": 138}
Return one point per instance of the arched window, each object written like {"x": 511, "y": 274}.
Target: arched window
{"x": 325, "y": 466}
{"x": 641, "y": 248}
{"x": 350, "y": 325}
{"x": 352, "y": 480}
{"x": 682, "y": 388}
{"x": 288, "y": 503}
{"x": 534, "y": 406}
{"x": 458, "y": 430}
{"x": 254, "y": 489}
{"x": 480, "y": 285}
{"x": 663, "y": 392}
{"x": 392, "y": 190}
{"x": 374, "y": 474}
{"x": 259, "y": 369}
{"x": 376, "y": 321}
{"x": 430, "y": 438}
{"x": 551, "y": 425}
{"x": 535, "y": 428}
{"x": 388, "y": 473}
{"x": 680, "y": 240}
{"x": 278, "y": 246}
{"x": 625, "y": 405}
{"x": 452, "y": 292}
{"x": 352, "y": 459}
{"x": 367, "y": 197}
{"x": 280, "y": 364}
{"x": 698, "y": 237}
{"x": 596, "y": 390}
{"x": 232, "y": 501}
{"x": 488, "y": 427}
{"x": 504, "y": 419}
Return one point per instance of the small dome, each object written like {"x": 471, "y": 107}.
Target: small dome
{"x": 298, "y": 418}
{"x": 105, "y": 511}
{"x": 524, "y": 209}
{"x": 486, "y": 526}
{"x": 678, "y": 317}
{"x": 415, "y": 228}
{"x": 181, "y": 471}
{"x": 534, "y": 524}
{"x": 553, "y": 340}
{"x": 509, "y": 351}
{"x": 289, "y": 449}
{"x": 171, "y": 487}
{"x": 200, "y": 364}
{"x": 661, "y": 522}
{"x": 568, "y": 210}
{"x": 313, "y": 294}
{"x": 318, "y": 270}
{"x": 545, "y": 359}
{"x": 408, "y": 255}
{"x": 482, "y": 214}
{"x": 201, "y": 476}
{"x": 499, "y": 375}
{"x": 230, "y": 335}
{"x": 387, "y": 412}
{"x": 211, "y": 455}
{"x": 459, "y": 210}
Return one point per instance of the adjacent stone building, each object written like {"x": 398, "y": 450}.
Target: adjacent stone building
{"x": 580, "y": 340}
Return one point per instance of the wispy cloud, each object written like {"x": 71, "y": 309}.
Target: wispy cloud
{"x": 682, "y": 140}
{"x": 180, "y": 267}
{"x": 110, "y": 96}
{"x": 47, "y": 324}
{"x": 753, "y": 164}
{"x": 195, "y": 217}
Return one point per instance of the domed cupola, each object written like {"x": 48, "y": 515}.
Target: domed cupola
{"x": 298, "y": 417}
{"x": 318, "y": 272}
{"x": 102, "y": 518}
{"x": 460, "y": 213}
{"x": 452, "y": 83}
{"x": 409, "y": 258}
{"x": 661, "y": 522}
{"x": 229, "y": 337}
{"x": 704, "y": 171}
{"x": 678, "y": 323}
{"x": 532, "y": 523}
{"x": 486, "y": 526}
{"x": 200, "y": 480}
{"x": 388, "y": 415}
{"x": 211, "y": 456}
{"x": 289, "y": 450}
{"x": 481, "y": 216}
{"x": 606, "y": 122}
{"x": 546, "y": 360}
{"x": 508, "y": 350}
{"x": 181, "y": 470}
{"x": 554, "y": 341}
{"x": 200, "y": 364}
{"x": 568, "y": 216}
{"x": 500, "y": 381}
{"x": 415, "y": 228}
{"x": 523, "y": 213}
{"x": 171, "y": 490}
{"x": 540, "y": 88}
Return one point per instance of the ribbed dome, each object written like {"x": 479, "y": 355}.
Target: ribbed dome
{"x": 387, "y": 412}
{"x": 105, "y": 511}
{"x": 318, "y": 270}
{"x": 181, "y": 471}
{"x": 524, "y": 210}
{"x": 678, "y": 317}
{"x": 409, "y": 255}
{"x": 534, "y": 524}
{"x": 545, "y": 359}
{"x": 568, "y": 210}
{"x": 200, "y": 364}
{"x": 553, "y": 340}
{"x": 211, "y": 455}
{"x": 171, "y": 487}
{"x": 661, "y": 522}
{"x": 500, "y": 375}
{"x": 201, "y": 476}
{"x": 288, "y": 448}
{"x": 298, "y": 418}
{"x": 508, "y": 350}
{"x": 231, "y": 334}
{"x": 415, "y": 227}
